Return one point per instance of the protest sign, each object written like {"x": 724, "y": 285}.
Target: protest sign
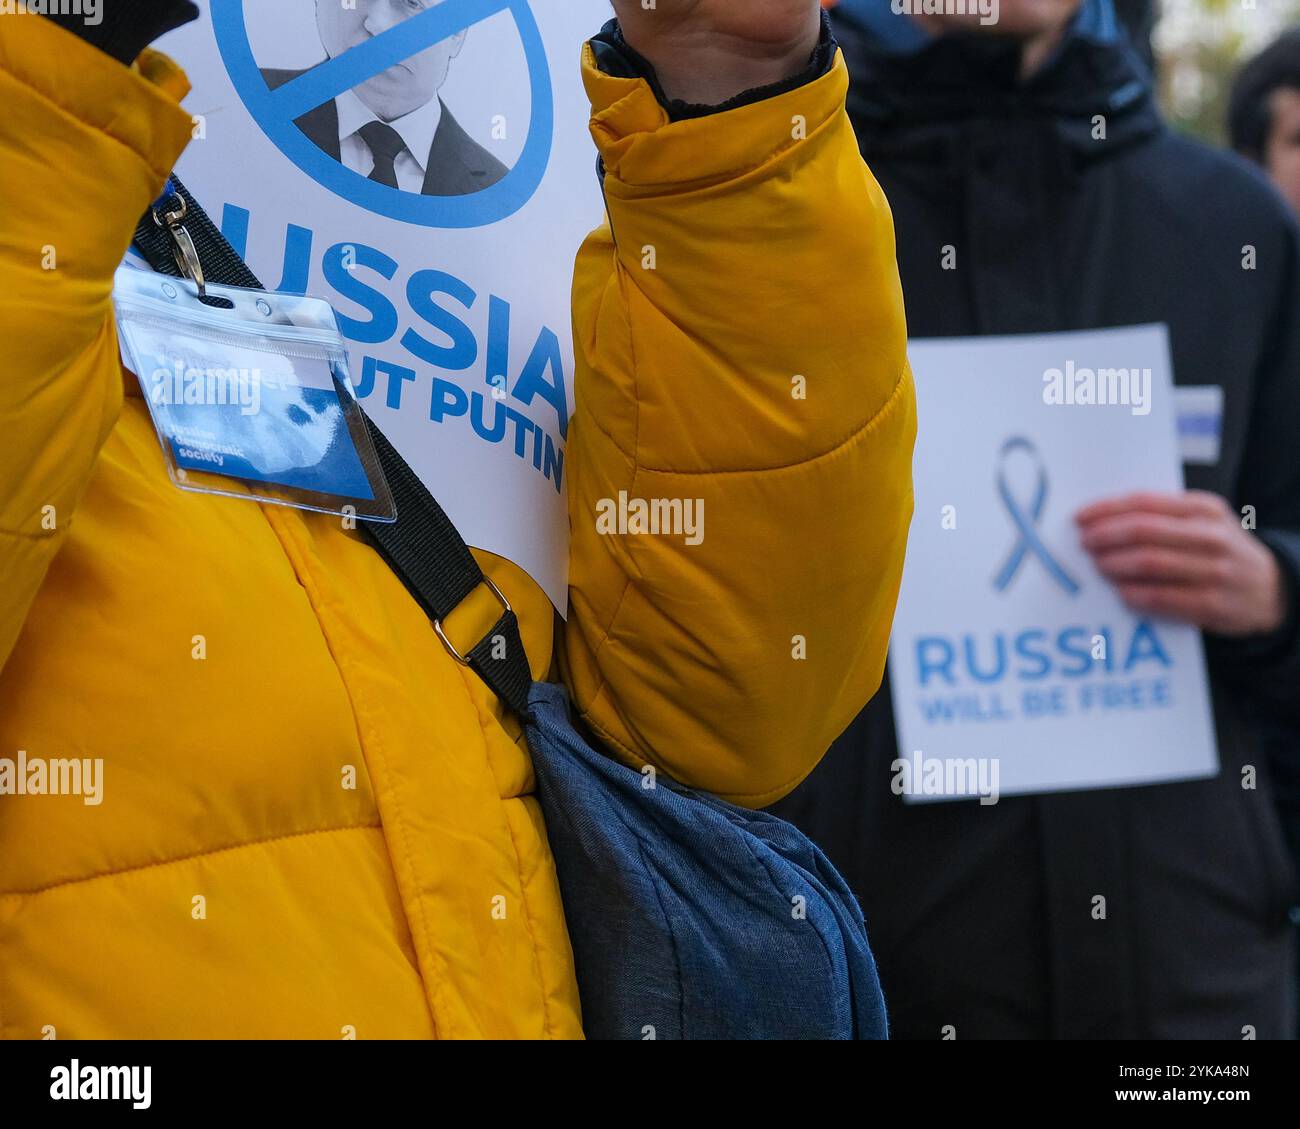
{"x": 1009, "y": 648}
{"x": 424, "y": 165}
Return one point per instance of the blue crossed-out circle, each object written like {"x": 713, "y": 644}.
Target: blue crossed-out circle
{"x": 276, "y": 110}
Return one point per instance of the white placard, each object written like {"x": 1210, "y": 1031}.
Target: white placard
{"x": 1009, "y": 649}
{"x": 453, "y": 286}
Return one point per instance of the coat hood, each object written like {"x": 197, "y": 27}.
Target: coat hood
{"x": 905, "y": 80}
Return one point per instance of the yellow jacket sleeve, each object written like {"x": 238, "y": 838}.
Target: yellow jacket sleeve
{"x": 85, "y": 145}
{"x": 741, "y": 347}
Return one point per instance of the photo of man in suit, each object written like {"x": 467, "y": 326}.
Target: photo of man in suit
{"x": 394, "y": 128}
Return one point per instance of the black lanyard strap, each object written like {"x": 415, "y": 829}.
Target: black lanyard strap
{"x": 422, "y": 546}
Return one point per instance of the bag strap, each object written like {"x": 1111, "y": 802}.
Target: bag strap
{"x": 422, "y": 546}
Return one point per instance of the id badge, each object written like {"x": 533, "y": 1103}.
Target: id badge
{"x": 254, "y": 401}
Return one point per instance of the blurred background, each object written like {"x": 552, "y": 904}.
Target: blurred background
{"x": 1198, "y": 46}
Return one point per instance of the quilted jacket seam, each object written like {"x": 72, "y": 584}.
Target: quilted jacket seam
{"x": 519, "y": 866}
{"x": 371, "y": 741}
{"x": 761, "y": 798}
{"x": 874, "y": 423}
{"x": 124, "y": 870}
{"x": 159, "y": 174}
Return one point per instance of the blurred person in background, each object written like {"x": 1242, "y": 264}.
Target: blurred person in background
{"x": 1264, "y": 114}
{"x": 1264, "y": 127}
{"x": 985, "y": 140}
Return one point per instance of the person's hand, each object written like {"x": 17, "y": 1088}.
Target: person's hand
{"x": 706, "y": 51}
{"x": 1186, "y": 557}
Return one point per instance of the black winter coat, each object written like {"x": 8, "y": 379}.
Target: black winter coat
{"x": 981, "y": 916}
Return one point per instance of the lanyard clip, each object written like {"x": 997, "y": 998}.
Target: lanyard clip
{"x": 172, "y": 221}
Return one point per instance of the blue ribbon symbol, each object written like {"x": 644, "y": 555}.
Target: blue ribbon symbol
{"x": 1026, "y": 521}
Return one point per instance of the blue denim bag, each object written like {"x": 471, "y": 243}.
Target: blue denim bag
{"x": 692, "y": 918}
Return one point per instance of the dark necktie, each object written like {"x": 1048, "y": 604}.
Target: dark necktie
{"x": 387, "y": 145}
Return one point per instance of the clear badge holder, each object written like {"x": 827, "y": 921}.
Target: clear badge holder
{"x": 250, "y": 393}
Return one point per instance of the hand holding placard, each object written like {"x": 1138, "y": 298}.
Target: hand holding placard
{"x": 1188, "y": 557}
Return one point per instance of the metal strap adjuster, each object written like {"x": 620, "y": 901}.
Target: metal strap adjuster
{"x": 447, "y": 643}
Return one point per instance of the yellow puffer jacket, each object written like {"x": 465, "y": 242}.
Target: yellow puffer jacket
{"x": 230, "y": 662}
